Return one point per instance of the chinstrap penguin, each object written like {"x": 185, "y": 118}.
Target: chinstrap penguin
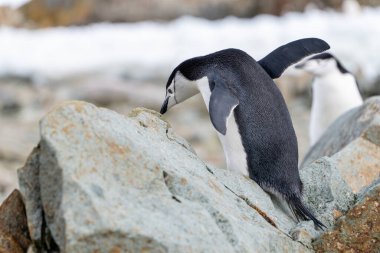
{"x": 249, "y": 113}
{"x": 335, "y": 91}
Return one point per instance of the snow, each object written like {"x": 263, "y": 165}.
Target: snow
{"x": 13, "y": 3}
{"x": 152, "y": 49}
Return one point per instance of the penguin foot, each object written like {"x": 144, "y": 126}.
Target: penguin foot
{"x": 302, "y": 212}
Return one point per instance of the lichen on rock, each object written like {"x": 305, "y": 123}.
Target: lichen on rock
{"x": 102, "y": 182}
{"x": 107, "y": 180}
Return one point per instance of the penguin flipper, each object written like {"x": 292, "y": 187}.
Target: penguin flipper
{"x": 221, "y": 105}
{"x": 281, "y": 58}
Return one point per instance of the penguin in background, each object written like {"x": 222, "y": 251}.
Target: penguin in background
{"x": 335, "y": 91}
{"x": 249, "y": 113}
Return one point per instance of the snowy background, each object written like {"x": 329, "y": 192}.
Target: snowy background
{"x": 13, "y": 3}
{"x": 151, "y": 49}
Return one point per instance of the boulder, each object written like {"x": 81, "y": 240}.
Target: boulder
{"x": 331, "y": 190}
{"x": 14, "y": 235}
{"x": 359, "y": 163}
{"x": 361, "y": 122}
{"x": 352, "y": 143}
{"x": 331, "y": 184}
{"x": 104, "y": 182}
{"x": 359, "y": 229}
{"x": 325, "y": 190}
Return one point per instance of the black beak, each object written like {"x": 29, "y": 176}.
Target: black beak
{"x": 300, "y": 66}
{"x": 164, "y": 107}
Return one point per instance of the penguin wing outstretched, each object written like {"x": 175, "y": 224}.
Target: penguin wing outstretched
{"x": 278, "y": 60}
{"x": 222, "y": 103}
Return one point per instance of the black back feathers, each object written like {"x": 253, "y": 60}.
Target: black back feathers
{"x": 278, "y": 60}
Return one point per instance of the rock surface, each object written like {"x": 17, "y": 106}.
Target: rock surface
{"x": 361, "y": 122}
{"x": 359, "y": 163}
{"x": 100, "y": 181}
{"x": 359, "y": 229}
{"x": 29, "y": 186}
{"x": 14, "y": 236}
{"x": 353, "y": 144}
{"x": 325, "y": 190}
{"x": 108, "y": 183}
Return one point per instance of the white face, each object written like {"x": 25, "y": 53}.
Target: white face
{"x": 179, "y": 90}
{"x": 319, "y": 67}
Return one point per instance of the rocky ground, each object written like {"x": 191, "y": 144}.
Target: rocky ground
{"x": 100, "y": 181}
{"x": 45, "y": 13}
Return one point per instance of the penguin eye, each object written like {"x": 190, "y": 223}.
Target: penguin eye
{"x": 170, "y": 91}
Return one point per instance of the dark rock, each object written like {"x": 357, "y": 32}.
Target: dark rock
{"x": 358, "y": 230}
{"x": 14, "y": 235}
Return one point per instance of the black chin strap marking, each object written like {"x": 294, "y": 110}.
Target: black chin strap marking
{"x": 174, "y": 91}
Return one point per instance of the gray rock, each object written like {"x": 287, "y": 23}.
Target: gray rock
{"x": 359, "y": 163}
{"x": 269, "y": 207}
{"x": 331, "y": 183}
{"x": 325, "y": 191}
{"x": 364, "y": 192}
{"x": 28, "y": 177}
{"x": 110, "y": 183}
{"x": 360, "y": 122}
{"x": 304, "y": 232}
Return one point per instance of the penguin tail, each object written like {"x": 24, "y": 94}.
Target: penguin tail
{"x": 301, "y": 212}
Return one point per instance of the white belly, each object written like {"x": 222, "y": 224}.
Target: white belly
{"x": 234, "y": 152}
{"x": 333, "y": 95}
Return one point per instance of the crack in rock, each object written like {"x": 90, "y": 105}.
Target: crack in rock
{"x": 209, "y": 170}
{"x": 174, "y": 186}
{"x": 257, "y": 209}
{"x": 169, "y": 134}
{"x": 261, "y": 212}
{"x": 187, "y": 147}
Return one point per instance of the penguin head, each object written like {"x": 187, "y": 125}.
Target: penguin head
{"x": 322, "y": 64}
{"x": 178, "y": 89}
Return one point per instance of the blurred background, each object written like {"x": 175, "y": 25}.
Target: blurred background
{"x": 119, "y": 54}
